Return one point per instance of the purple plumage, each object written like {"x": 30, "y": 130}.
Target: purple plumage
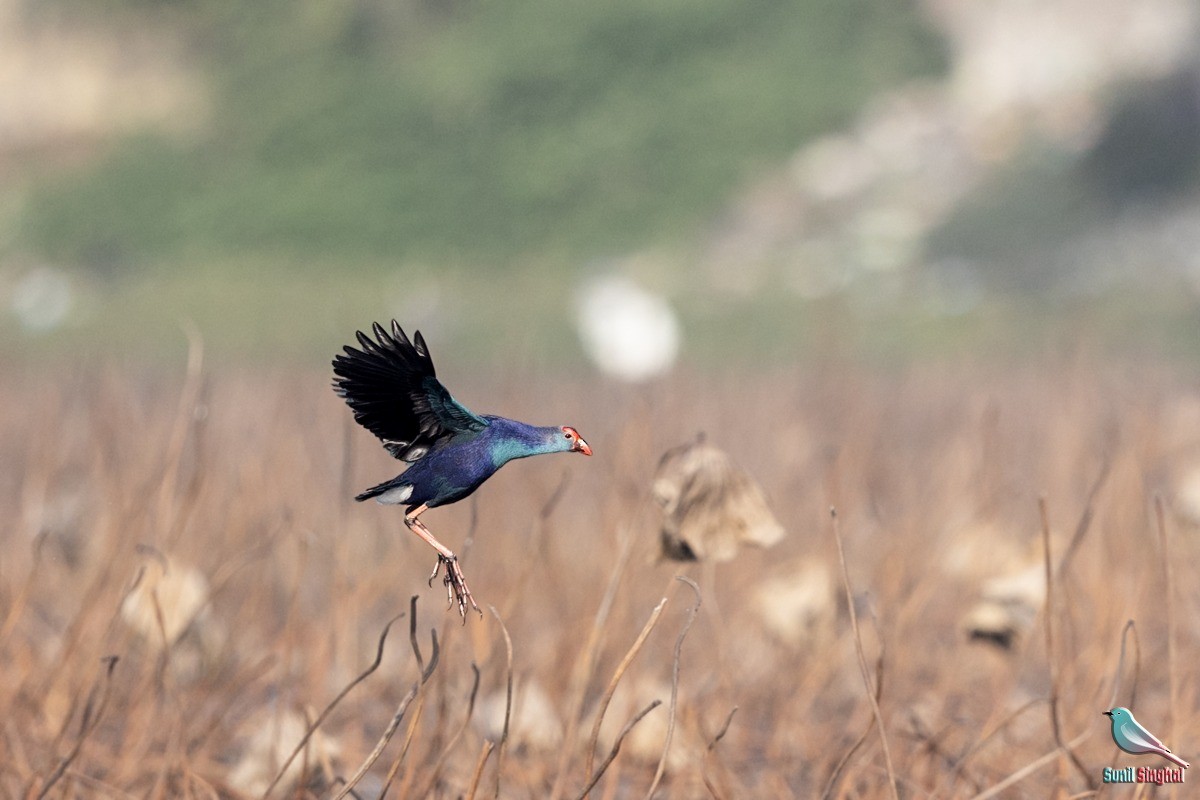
{"x": 393, "y": 390}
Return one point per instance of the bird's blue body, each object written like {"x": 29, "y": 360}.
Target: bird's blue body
{"x": 393, "y": 389}
{"x": 456, "y": 467}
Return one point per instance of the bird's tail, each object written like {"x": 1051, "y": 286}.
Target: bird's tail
{"x": 394, "y": 491}
{"x": 1167, "y": 754}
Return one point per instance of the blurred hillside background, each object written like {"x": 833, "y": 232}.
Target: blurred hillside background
{"x": 877, "y": 177}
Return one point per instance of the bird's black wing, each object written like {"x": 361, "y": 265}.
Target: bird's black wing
{"x": 391, "y": 386}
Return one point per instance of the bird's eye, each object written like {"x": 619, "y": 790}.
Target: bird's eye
{"x": 566, "y": 436}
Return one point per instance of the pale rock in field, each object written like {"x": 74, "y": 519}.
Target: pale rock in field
{"x": 1008, "y": 606}
{"x": 627, "y": 331}
{"x": 169, "y": 608}
{"x": 645, "y": 742}
{"x": 799, "y": 606}
{"x": 165, "y": 601}
{"x": 270, "y": 739}
{"x": 980, "y": 547}
{"x": 1187, "y": 495}
{"x": 535, "y": 722}
{"x": 711, "y": 508}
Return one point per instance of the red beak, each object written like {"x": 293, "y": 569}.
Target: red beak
{"x": 582, "y": 447}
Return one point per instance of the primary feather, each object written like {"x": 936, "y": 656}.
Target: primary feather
{"x": 392, "y": 387}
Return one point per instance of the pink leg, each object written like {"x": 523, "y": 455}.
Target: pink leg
{"x": 455, "y": 583}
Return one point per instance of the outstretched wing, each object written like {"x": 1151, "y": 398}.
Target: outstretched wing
{"x": 391, "y": 386}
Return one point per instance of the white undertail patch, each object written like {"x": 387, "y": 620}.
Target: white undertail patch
{"x": 396, "y": 496}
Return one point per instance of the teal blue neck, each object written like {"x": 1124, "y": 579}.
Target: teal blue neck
{"x": 511, "y": 439}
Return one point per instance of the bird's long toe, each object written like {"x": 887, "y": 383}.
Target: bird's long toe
{"x": 456, "y": 587}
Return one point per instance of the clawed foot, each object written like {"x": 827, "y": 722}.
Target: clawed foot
{"x": 456, "y": 585}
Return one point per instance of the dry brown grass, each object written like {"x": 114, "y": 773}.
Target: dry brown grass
{"x": 936, "y": 474}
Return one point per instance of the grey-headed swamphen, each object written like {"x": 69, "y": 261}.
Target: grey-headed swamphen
{"x": 391, "y": 386}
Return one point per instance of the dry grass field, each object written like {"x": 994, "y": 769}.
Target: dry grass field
{"x": 186, "y": 585}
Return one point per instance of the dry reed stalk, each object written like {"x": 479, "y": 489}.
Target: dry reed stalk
{"x": 616, "y": 748}
{"x": 1030, "y": 768}
{"x": 1130, "y": 627}
{"x": 484, "y": 751}
{"x": 312, "y": 728}
{"x": 1085, "y": 518}
{"x": 862, "y": 659}
{"x": 435, "y": 772}
{"x": 184, "y": 413}
{"x": 675, "y": 663}
{"x": 93, "y": 712}
{"x": 634, "y": 649}
{"x": 1169, "y": 617}
{"x": 965, "y": 758}
{"x": 586, "y": 663}
{"x": 17, "y": 606}
{"x": 401, "y": 710}
{"x": 508, "y": 698}
{"x": 712, "y": 747}
{"x": 1049, "y": 611}
{"x": 536, "y": 543}
{"x": 74, "y": 635}
{"x": 835, "y": 776}
{"x": 415, "y": 720}
{"x": 242, "y": 685}
{"x": 97, "y": 785}
{"x": 399, "y": 759}
{"x": 23, "y": 768}
{"x": 448, "y": 632}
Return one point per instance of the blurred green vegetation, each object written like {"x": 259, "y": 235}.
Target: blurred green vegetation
{"x": 363, "y": 159}
{"x": 441, "y": 131}
{"x": 1144, "y": 161}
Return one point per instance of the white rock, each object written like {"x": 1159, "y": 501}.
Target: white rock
{"x": 535, "y": 722}
{"x": 799, "y": 607}
{"x": 176, "y": 592}
{"x": 272, "y": 737}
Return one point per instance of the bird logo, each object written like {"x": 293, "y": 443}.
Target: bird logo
{"x": 1132, "y": 737}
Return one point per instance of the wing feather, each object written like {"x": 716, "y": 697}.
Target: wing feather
{"x": 391, "y": 386}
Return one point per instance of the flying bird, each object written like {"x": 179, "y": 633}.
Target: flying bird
{"x": 1132, "y": 737}
{"x": 392, "y": 388}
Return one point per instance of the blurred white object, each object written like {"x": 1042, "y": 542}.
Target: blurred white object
{"x": 534, "y": 723}
{"x": 645, "y": 742}
{"x": 629, "y": 332}
{"x": 711, "y": 508}
{"x": 272, "y": 739}
{"x": 1008, "y": 606}
{"x": 976, "y": 548}
{"x": 169, "y": 609}
{"x": 800, "y": 606}
{"x": 167, "y": 599}
{"x": 1187, "y": 496}
{"x": 42, "y": 299}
